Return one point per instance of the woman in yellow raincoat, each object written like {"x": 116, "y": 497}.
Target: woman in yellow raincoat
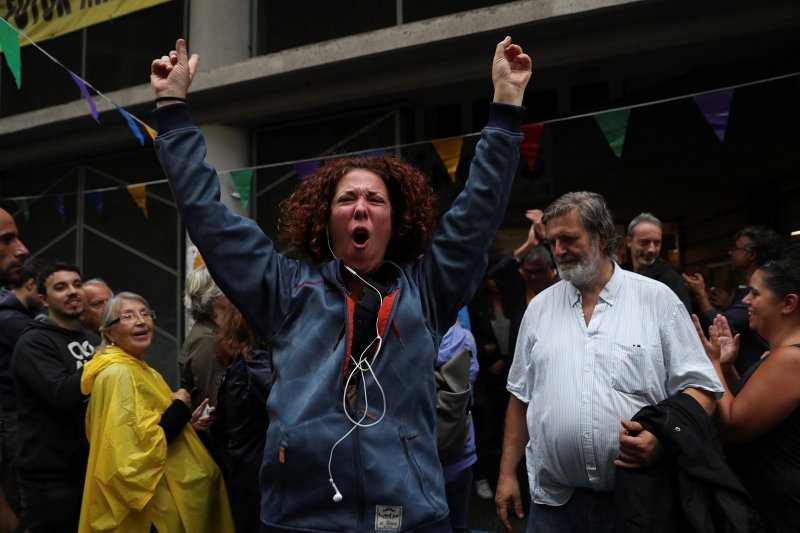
{"x": 147, "y": 468}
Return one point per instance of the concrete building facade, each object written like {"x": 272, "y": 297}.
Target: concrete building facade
{"x": 284, "y": 83}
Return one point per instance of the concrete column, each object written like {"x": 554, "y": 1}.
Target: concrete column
{"x": 220, "y": 32}
{"x": 228, "y": 148}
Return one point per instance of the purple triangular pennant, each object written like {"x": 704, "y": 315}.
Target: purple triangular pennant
{"x": 85, "y": 92}
{"x": 306, "y": 169}
{"x": 370, "y": 153}
{"x": 716, "y": 108}
{"x": 58, "y": 203}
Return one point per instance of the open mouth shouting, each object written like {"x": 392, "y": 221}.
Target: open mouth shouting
{"x": 360, "y": 237}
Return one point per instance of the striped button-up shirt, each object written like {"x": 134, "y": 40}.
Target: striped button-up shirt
{"x": 579, "y": 381}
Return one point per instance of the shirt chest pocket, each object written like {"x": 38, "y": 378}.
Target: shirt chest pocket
{"x": 631, "y": 368}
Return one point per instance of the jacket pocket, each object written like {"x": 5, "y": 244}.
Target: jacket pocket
{"x": 295, "y": 474}
{"x": 408, "y": 442}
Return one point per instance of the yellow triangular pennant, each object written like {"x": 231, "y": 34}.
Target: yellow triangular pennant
{"x": 449, "y": 151}
{"x": 139, "y": 195}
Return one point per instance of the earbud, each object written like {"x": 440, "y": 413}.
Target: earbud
{"x": 328, "y": 238}
{"x": 338, "y": 496}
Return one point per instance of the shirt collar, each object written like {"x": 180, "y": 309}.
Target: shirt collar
{"x": 607, "y": 294}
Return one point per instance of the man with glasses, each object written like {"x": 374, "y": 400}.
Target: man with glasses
{"x": 522, "y": 274}
{"x": 752, "y": 247}
{"x": 47, "y": 364}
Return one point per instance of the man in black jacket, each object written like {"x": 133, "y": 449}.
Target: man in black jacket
{"x": 644, "y": 242}
{"x": 47, "y": 363}
{"x": 18, "y": 305}
{"x": 12, "y": 251}
{"x": 12, "y": 255}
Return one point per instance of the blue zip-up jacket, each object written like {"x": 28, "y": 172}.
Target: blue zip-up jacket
{"x": 389, "y": 474}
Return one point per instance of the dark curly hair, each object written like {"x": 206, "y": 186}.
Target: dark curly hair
{"x": 304, "y": 215}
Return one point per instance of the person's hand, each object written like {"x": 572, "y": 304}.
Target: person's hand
{"x": 711, "y": 351}
{"x": 637, "y": 446}
{"x": 172, "y": 74}
{"x": 536, "y": 235}
{"x": 695, "y": 283}
{"x": 200, "y": 422}
{"x": 490, "y": 348}
{"x": 497, "y": 367}
{"x": 511, "y": 72}
{"x": 720, "y": 298}
{"x": 507, "y": 495}
{"x": 724, "y": 341}
{"x": 182, "y": 395}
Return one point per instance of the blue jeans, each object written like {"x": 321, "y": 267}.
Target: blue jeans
{"x": 587, "y": 511}
{"x": 457, "y": 493}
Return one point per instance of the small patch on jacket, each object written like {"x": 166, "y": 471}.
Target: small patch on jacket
{"x": 388, "y": 517}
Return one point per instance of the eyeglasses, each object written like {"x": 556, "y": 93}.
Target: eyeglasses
{"x": 130, "y": 317}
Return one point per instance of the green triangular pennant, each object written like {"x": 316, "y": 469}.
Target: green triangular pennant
{"x": 22, "y": 203}
{"x": 9, "y": 41}
{"x": 241, "y": 180}
{"x": 614, "y": 125}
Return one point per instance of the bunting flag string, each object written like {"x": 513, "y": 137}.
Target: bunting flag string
{"x": 714, "y": 105}
{"x": 9, "y": 41}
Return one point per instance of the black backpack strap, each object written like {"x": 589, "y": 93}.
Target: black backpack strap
{"x": 365, "y": 316}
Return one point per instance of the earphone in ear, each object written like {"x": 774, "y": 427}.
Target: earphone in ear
{"x": 328, "y": 237}
{"x": 338, "y": 496}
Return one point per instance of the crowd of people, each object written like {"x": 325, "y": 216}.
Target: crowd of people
{"x": 354, "y": 383}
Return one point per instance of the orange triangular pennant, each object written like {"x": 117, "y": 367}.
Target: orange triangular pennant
{"x": 139, "y": 195}
{"x": 449, "y": 151}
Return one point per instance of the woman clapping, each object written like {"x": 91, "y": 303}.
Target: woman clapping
{"x": 759, "y": 416}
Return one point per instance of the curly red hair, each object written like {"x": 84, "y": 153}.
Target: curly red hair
{"x": 304, "y": 215}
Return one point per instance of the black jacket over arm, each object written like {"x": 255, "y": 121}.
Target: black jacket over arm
{"x": 691, "y": 488}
